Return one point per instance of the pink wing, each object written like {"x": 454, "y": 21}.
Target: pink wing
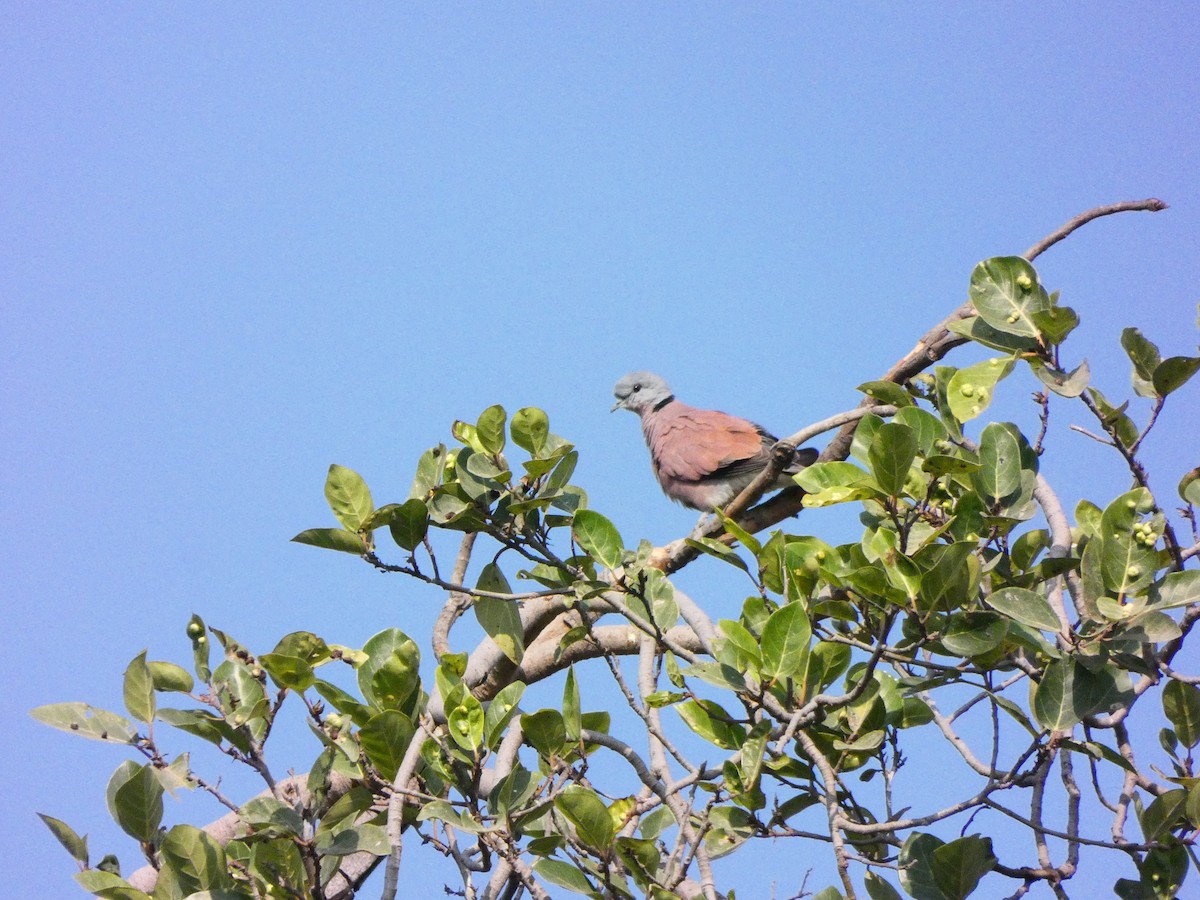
{"x": 691, "y": 444}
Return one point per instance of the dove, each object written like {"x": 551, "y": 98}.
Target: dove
{"x": 702, "y": 458}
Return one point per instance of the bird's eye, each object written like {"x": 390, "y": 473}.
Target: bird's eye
{"x": 636, "y": 388}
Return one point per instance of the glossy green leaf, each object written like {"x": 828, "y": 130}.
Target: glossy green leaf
{"x": 1174, "y": 372}
{"x": 348, "y": 497}
{"x": 332, "y": 539}
{"x": 1055, "y": 323}
{"x": 974, "y": 633}
{"x": 108, "y": 885}
{"x": 169, "y": 677}
{"x": 1065, "y": 384}
{"x": 588, "y": 813}
{"x": 464, "y": 718}
{"x": 1164, "y": 814}
{"x": 598, "y": 537}
{"x": 1145, "y": 357}
{"x": 925, "y": 425}
{"x": 564, "y": 875}
{"x": 958, "y": 865}
{"x": 1000, "y": 462}
{"x": 545, "y": 731}
{"x": 500, "y": 619}
{"x": 135, "y": 800}
{"x": 1068, "y": 692}
{"x": 891, "y": 455}
{"x": 887, "y": 392}
{"x": 1126, "y": 564}
{"x": 571, "y": 713}
{"x": 385, "y": 739}
{"x": 1181, "y": 705}
{"x": 1005, "y": 292}
{"x": 1027, "y": 607}
{"x": 268, "y": 817}
{"x": 718, "y": 550}
{"x": 1176, "y": 589}
{"x": 979, "y": 331}
{"x": 139, "y": 689}
{"x": 786, "y": 640}
{"x": 74, "y": 844}
{"x": 972, "y": 389}
{"x": 712, "y": 723}
{"x": 409, "y": 524}
{"x": 490, "y": 428}
{"x": 366, "y": 838}
{"x": 500, "y": 712}
{"x": 86, "y": 721}
{"x": 916, "y": 867}
{"x": 390, "y": 674}
{"x": 530, "y": 430}
{"x": 288, "y": 671}
{"x": 878, "y": 889}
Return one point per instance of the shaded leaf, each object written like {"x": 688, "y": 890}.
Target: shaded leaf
{"x": 332, "y": 539}
{"x": 1181, "y": 705}
{"x": 891, "y": 455}
{"x": 74, "y": 844}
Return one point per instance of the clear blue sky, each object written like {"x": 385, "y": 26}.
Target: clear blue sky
{"x": 243, "y": 242}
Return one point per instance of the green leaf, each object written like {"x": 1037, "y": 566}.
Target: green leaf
{"x": 712, "y": 723}
{"x": 1000, "y": 461}
{"x": 198, "y": 633}
{"x": 430, "y": 468}
{"x": 1174, "y": 372}
{"x": 464, "y": 716}
{"x": 1005, "y": 292}
{"x": 958, "y": 865}
{"x": 490, "y": 428}
{"x": 409, "y": 524}
{"x": 1176, "y": 589}
{"x": 86, "y": 721}
{"x": 564, "y": 875}
{"x": 1065, "y": 384}
{"x": 74, "y": 844}
{"x": 1126, "y": 564}
{"x": 887, "y": 392}
{"x": 916, "y": 867}
{"x": 949, "y": 574}
{"x": 1025, "y": 606}
{"x": 979, "y": 331}
{"x": 1145, "y": 358}
{"x": 545, "y": 731}
{"x": 925, "y": 425}
{"x": 530, "y": 429}
{"x": 135, "y": 800}
{"x": 878, "y": 889}
{"x": 268, "y": 817}
{"x": 891, "y": 455}
{"x": 500, "y": 712}
{"x": 1189, "y": 487}
{"x": 108, "y": 885}
{"x": 385, "y": 739}
{"x": 598, "y": 537}
{"x": 571, "y": 712}
{"x": 356, "y": 839}
{"x": 1056, "y": 322}
{"x": 971, "y": 390}
{"x": 170, "y": 677}
{"x": 332, "y": 539}
{"x": 390, "y": 674}
{"x": 786, "y": 640}
{"x": 974, "y": 633}
{"x": 348, "y": 497}
{"x": 1068, "y": 692}
{"x": 1181, "y": 705}
{"x": 718, "y": 550}
{"x": 587, "y": 812}
{"x": 1164, "y": 814}
{"x": 139, "y": 689}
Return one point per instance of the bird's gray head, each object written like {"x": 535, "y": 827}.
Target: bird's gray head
{"x": 640, "y": 391}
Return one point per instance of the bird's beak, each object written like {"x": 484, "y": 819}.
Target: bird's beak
{"x": 620, "y": 404}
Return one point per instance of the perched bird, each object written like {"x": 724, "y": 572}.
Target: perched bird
{"x": 702, "y": 458}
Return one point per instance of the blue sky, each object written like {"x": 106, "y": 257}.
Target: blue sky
{"x": 243, "y": 243}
